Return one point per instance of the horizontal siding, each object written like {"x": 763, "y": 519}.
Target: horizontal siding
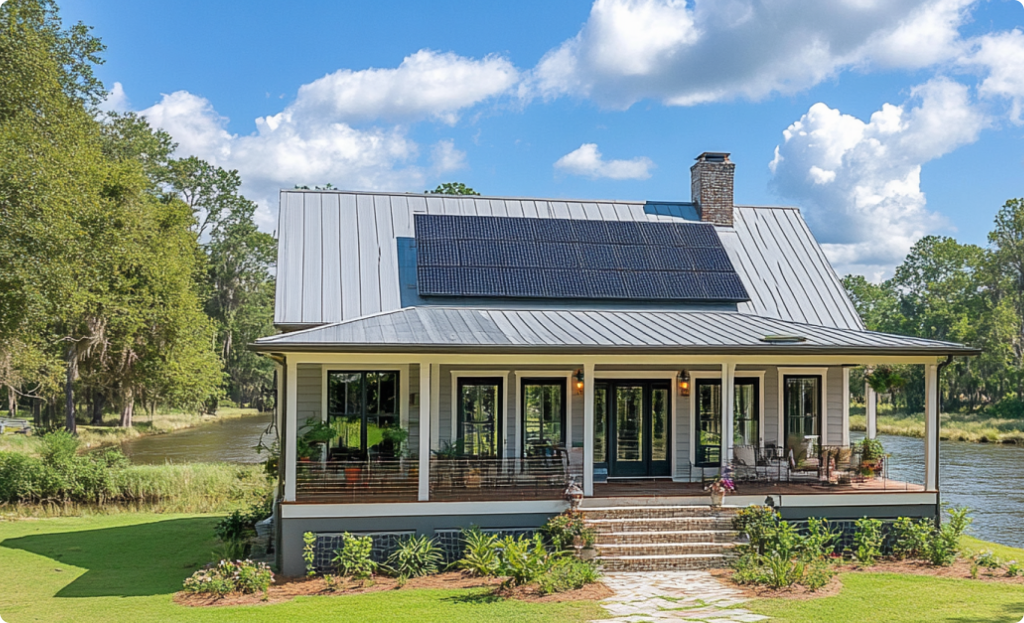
{"x": 309, "y": 394}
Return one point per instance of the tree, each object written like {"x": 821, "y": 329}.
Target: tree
{"x": 209, "y": 191}
{"x": 452, "y": 188}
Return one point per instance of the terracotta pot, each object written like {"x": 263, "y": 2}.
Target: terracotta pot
{"x": 353, "y": 474}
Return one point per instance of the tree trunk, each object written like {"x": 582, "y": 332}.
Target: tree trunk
{"x": 37, "y": 415}
{"x": 69, "y": 390}
{"x": 127, "y": 409}
{"x": 98, "y": 402}
{"x": 12, "y": 402}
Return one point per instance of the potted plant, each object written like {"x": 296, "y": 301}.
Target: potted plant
{"x": 317, "y": 433}
{"x": 718, "y": 488}
{"x": 872, "y": 454}
{"x": 393, "y": 440}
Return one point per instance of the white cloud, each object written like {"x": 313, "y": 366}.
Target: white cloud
{"x": 445, "y": 157}
{"x": 116, "y": 101}
{"x": 1001, "y": 57}
{"x": 589, "y": 162}
{"x": 709, "y": 50}
{"x": 860, "y": 182}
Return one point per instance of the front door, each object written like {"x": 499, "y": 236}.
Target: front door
{"x": 639, "y": 425}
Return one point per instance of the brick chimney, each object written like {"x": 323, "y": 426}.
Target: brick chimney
{"x": 711, "y": 187}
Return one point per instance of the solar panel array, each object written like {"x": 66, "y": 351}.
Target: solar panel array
{"x": 483, "y": 256}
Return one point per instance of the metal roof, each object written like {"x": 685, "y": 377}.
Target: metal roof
{"x": 469, "y": 329}
{"x": 338, "y": 257}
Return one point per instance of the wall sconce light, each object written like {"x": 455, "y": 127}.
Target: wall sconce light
{"x": 684, "y": 383}
{"x": 579, "y": 381}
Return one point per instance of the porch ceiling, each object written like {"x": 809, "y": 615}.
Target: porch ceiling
{"x": 491, "y": 330}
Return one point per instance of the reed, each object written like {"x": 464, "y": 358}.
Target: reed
{"x": 972, "y": 427}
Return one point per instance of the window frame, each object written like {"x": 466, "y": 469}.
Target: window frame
{"x": 400, "y": 408}
{"x": 499, "y": 411}
{"x": 784, "y": 399}
{"x": 563, "y": 415}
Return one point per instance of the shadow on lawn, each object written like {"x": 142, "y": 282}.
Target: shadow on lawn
{"x": 1011, "y": 613}
{"x": 135, "y": 560}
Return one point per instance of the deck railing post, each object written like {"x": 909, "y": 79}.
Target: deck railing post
{"x": 931, "y": 427}
{"x": 425, "y": 432}
{"x": 588, "y": 429}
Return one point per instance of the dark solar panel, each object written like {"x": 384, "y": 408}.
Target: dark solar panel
{"x": 577, "y": 259}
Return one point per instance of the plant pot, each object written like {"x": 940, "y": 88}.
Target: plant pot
{"x": 473, "y": 479}
{"x": 353, "y": 474}
{"x": 717, "y": 498}
{"x": 587, "y": 553}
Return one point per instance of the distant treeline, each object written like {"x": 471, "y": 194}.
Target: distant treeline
{"x": 963, "y": 293}
{"x": 128, "y": 278}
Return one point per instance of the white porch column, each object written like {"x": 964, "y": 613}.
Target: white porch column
{"x": 871, "y": 410}
{"x": 728, "y": 408}
{"x": 588, "y": 429}
{"x": 291, "y": 423}
{"x": 426, "y": 426}
{"x": 931, "y": 427}
{"x": 846, "y": 406}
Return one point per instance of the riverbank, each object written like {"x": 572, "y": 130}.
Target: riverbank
{"x": 110, "y": 434}
{"x": 972, "y": 427}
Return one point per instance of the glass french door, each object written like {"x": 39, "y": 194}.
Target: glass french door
{"x": 543, "y": 417}
{"x": 802, "y": 403}
{"x": 746, "y": 419}
{"x": 480, "y": 403}
{"x": 639, "y": 423}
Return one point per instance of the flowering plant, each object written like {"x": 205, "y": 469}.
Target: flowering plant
{"x": 721, "y": 485}
{"x": 242, "y": 576}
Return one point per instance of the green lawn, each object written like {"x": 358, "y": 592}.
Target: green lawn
{"x": 909, "y": 598}
{"x": 127, "y": 567}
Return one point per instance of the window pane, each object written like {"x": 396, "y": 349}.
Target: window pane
{"x": 600, "y": 423}
{"x": 745, "y": 416}
{"x": 803, "y": 409}
{"x": 629, "y": 408}
{"x": 659, "y": 424}
{"x": 542, "y": 414}
{"x": 479, "y": 418}
{"x": 709, "y": 423}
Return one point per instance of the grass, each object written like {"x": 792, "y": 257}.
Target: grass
{"x": 109, "y": 433}
{"x": 976, "y": 427}
{"x": 127, "y": 567}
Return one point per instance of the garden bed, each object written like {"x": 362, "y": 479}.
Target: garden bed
{"x": 289, "y": 588}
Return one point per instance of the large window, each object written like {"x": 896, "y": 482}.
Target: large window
{"x": 543, "y": 416}
{"x": 746, "y": 420}
{"x": 362, "y": 407}
{"x": 802, "y": 403}
{"x": 480, "y": 416}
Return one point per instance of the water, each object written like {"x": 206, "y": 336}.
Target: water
{"x": 228, "y": 441}
{"x": 988, "y": 478}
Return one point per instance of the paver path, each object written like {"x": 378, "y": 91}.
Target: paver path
{"x": 671, "y": 596}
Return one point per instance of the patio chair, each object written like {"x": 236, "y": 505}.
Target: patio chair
{"x": 806, "y": 470}
{"x": 744, "y": 459}
{"x": 772, "y": 466}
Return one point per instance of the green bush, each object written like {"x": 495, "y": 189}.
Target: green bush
{"x": 562, "y": 531}
{"x": 778, "y": 556}
{"x": 241, "y": 524}
{"x": 309, "y": 553}
{"x": 353, "y": 558}
{"x": 415, "y": 556}
{"x": 867, "y": 540}
{"x": 568, "y": 574}
{"x": 820, "y": 540}
{"x": 817, "y": 574}
{"x": 481, "y": 555}
{"x": 944, "y": 545}
{"x": 756, "y": 522}
{"x": 910, "y": 538}
{"x": 242, "y": 576}
{"x": 524, "y": 560}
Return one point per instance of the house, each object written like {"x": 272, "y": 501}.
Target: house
{"x": 470, "y": 354}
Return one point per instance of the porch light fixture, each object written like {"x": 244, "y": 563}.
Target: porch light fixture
{"x": 684, "y": 383}
{"x": 579, "y": 381}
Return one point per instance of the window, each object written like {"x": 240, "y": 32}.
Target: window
{"x": 362, "y": 407}
{"x": 746, "y": 421}
{"x": 543, "y": 416}
{"x": 600, "y": 424}
{"x": 802, "y": 414}
{"x": 480, "y": 416}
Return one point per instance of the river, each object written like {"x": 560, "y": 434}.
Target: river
{"x": 988, "y": 478}
{"x": 231, "y": 440}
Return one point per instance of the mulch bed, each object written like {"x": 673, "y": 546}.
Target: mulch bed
{"x": 960, "y": 570}
{"x": 285, "y": 589}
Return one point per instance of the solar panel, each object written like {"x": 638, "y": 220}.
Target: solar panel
{"x": 483, "y": 256}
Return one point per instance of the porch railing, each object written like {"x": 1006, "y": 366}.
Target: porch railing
{"x": 394, "y": 480}
{"x": 823, "y": 465}
{"x": 498, "y": 479}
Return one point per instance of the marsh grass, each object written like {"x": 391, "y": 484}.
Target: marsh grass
{"x": 974, "y": 427}
{"x": 109, "y": 433}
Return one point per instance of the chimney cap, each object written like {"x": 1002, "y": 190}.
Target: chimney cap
{"x": 713, "y": 156}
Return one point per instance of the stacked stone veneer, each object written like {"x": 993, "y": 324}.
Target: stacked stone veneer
{"x": 663, "y": 538}
{"x": 711, "y": 187}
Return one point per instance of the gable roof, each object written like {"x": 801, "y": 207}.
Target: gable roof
{"x": 469, "y": 329}
{"x": 339, "y": 258}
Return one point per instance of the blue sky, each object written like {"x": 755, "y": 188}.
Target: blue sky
{"x": 519, "y": 98}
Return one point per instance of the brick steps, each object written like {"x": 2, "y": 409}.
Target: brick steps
{"x": 662, "y": 538}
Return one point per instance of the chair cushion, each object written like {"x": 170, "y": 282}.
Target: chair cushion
{"x": 744, "y": 455}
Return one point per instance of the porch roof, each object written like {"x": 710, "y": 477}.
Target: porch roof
{"x": 475, "y": 329}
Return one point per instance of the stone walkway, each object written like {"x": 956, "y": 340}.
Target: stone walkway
{"x": 674, "y": 596}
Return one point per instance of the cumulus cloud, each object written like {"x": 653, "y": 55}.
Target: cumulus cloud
{"x": 860, "y": 182}
{"x": 116, "y": 101}
{"x": 1001, "y": 57}
{"x": 689, "y": 53}
{"x": 349, "y": 128}
{"x": 589, "y": 162}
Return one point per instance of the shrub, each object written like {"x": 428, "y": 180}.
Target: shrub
{"x": 309, "y": 553}
{"x": 867, "y": 540}
{"x": 756, "y": 522}
{"x": 1013, "y": 569}
{"x": 415, "y": 556}
{"x": 944, "y": 545}
{"x": 562, "y": 531}
{"x": 778, "y": 555}
{"x": 568, "y": 574}
{"x": 820, "y": 541}
{"x": 817, "y": 574}
{"x": 353, "y": 558}
{"x": 241, "y": 525}
{"x": 482, "y": 553}
{"x": 242, "y": 576}
{"x": 910, "y": 538}
{"x": 523, "y": 559}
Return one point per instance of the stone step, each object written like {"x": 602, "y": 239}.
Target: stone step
{"x": 624, "y": 512}
{"x": 659, "y": 524}
{"x": 671, "y": 562}
{"x": 669, "y": 536}
{"x": 662, "y": 549}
